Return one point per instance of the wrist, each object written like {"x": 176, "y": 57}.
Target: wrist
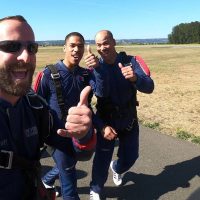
{"x": 133, "y": 79}
{"x": 86, "y": 138}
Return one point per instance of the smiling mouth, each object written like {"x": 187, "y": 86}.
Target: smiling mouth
{"x": 19, "y": 74}
{"x": 76, "y": 57}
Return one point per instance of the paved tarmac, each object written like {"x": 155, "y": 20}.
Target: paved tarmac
{"x": 167, "y": 169}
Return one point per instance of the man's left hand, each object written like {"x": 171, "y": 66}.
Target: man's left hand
{"x": 128, "y": 72}
{"x": 90, "y": 59}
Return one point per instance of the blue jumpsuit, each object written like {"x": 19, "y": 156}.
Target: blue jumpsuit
{"x": 72, "y": 83}
{"x": 20, "y": 134}
{"x": 118, "y": 110}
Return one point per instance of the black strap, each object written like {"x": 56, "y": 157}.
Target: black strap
{"x": 125, "y": 58}
{"x": 9, "y": 160}
{"x": 56, "y": 78}
{"x": 42, "y": 115}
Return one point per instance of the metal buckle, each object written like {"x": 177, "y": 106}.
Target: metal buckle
{"x": 55, "y": 76}
{"x": 9, "y": 159}
{"x": 130, "y": 126}
{"x": 61, "y": 104}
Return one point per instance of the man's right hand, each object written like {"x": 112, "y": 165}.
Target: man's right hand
{"x": 79, "y": 118}
{"x": 109, "y": 133}
{"x": 90, "y": 59}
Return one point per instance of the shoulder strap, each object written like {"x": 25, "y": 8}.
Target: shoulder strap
{"x": 125, "y": 58}
{"x": 41, "y": 114}
{"x": 85, "y": 75}
{"x": 56, "y": 78}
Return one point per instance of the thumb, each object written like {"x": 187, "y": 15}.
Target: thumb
{"x": 113, "y": 130}
{"x": 89, "y": 51}
{"x": 84, "y": 96}
{"x": 120, "y": 65}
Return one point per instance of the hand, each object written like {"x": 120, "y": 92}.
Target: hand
{"x": 109, "y": 133}
{"x": 128, "y": 72}
{"x": 90, "y": 59}
{"x": 79, "y": 118}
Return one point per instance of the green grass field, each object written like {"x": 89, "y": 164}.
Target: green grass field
{"x": 174, "y": 106}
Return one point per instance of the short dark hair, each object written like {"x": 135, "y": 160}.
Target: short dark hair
{"x": 74, "y": 34}
{"x": 16, "y": 17}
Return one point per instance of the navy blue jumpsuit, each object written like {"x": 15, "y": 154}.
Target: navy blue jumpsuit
{"x": 20, "y": 134}
{"x": 118, "y": 110}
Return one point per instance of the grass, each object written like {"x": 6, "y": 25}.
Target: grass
{"x": 187, "y": 136}
{"x": 175, "y": 103}
{"x": 152, "y": 125}
{"x": 184, "y": 135}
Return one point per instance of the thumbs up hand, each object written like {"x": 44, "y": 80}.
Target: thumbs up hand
{"x": 89, "y": 51}
{"x": 128, "y": 72}
{"x": 79, "y": 118}
{"x": 90, "y": 59}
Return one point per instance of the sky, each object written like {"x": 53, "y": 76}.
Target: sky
{"x": 126, "y": 19}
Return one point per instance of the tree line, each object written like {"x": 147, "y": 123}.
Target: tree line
{"x": 185, "y": 33}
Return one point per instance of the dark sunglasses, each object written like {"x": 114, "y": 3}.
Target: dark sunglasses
{"x": 12, "y": 46}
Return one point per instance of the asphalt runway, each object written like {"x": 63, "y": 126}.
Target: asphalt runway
{"x": 167, "y": 169}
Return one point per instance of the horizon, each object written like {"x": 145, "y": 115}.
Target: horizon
{"x": 115, "y": 39}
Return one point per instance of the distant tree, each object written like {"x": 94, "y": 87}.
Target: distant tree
{"x": 185, "y": 33}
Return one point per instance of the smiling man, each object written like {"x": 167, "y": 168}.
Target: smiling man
{"x": 61, "y": 85}
{"x": 26, "y": 121}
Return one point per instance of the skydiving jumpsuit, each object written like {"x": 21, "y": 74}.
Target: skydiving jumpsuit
{"x": 72, "y": 83}
{"x": 117, "y": 109}
{"x": 20, "y": 141}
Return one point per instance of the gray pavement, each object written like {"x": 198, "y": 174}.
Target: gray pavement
{"x": 167, "y": 169}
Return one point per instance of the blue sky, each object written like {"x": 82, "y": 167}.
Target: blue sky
{"x": 127, "y": 19}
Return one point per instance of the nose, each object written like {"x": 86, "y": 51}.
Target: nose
{"x": 102, "y": 47}
{"x": 24, "y": 55}
{"x": 76, "y": 48}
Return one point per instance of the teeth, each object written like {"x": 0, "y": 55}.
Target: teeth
{"x": 20, "y": 70}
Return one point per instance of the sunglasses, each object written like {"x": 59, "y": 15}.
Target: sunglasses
{"x": 12, "y": 46}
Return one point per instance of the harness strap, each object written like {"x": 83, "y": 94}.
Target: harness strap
{"x": 57, "y": 82}
{"x": 42, "y": 115}
{"x": 56, "y": 78}
{"x": 9, "y": 160}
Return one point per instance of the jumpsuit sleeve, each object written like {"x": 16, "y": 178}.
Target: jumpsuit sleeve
{"x": 101, "y": 78}
{"x": 86, "y": 143}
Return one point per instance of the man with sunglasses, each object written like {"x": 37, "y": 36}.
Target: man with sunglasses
{"x": 24, "y": 127}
